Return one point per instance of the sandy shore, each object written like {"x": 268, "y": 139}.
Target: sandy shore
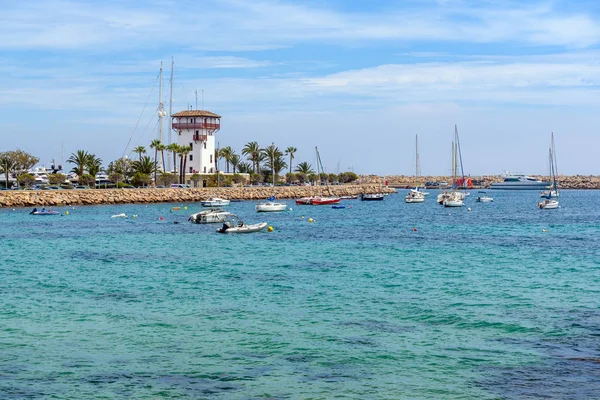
{"x": 31, "y": 198}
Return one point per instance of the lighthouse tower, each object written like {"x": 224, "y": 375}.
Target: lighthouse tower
{"x": 196, "y": 129}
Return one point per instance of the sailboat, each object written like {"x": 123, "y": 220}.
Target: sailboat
{"x": 551, "y": 192}
{"x": 319, "y": 200}
{"x": 270, "y": 205}
{"x": 416, "y": 195}
{"x": 454, "y": 198}
{"x": 550, "y": 202}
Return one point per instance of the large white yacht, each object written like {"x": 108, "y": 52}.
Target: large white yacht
{"x": 519, "y": 182}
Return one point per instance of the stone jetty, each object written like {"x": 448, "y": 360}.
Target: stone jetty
{"x": 33, "y": 198}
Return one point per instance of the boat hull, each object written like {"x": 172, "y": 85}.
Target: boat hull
{"x": 519, "y": 186}
{"x": 271, "y": 207}
{"x": 453, "y": 203}
{"x": 215, "y": 202}
{"x": 548, "y": 204}
{"x": 245, "y": 228}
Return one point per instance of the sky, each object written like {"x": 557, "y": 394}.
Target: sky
{"x": 358, "y": 79}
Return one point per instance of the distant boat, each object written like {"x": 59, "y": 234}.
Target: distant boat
{"x": 271, "y": 205}
{"x": 518, "y": 182}
{"x": 415, "y": 195}
{"x": 551, "y": 203}
{"x": 213, "y": 215}
{"x": 484, "y": 198}
{"x": 372, "y": 196}
{"x": 234, "y": 225}
{"x": 319, "y": 200}
{"x": 215, "y": 202}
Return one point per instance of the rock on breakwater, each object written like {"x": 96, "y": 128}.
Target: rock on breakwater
{"x": 30, "y": 198}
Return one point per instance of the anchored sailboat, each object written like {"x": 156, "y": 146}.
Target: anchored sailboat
{"x": 271, "y": 205}
{"x": 551, "y": 202}
{"x": 416, "y": 195}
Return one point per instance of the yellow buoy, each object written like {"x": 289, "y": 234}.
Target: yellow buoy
{"x": 185, "y": 208}
{"x": 270, "y": 229}
{"x": 310, "y": 220}
{"x": 66, "y": 213}
{"x": 302, "y": 216}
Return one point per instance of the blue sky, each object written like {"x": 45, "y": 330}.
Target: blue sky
{"x": 358, "y": 79}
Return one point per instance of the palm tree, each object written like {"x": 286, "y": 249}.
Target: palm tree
{"x": 6, "y": 164}
{"x": 278, "y": 165}
{"x": 80, "y": 159}
{"x": 235, "y": 161}
{"x": 183, "y": 151}
{"x": 270, "y": 153}
{"x": 144, "y": 165}
{"x": 93, "y": 165}
{"x": 140, "y": 150}
{"x": 290, "y": 151}
{"x": 174, "y": 147}
{"x": 244, "y": 168}
{"x": 252, "y": 153}
{"x": 304, "y": 168}
{"x": 155, "y": 144}
{"x": 225, "y": 153}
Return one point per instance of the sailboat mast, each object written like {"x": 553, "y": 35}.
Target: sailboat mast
{"x": 554, "y": 162}
{"x": 462, "y": 172}
{"x": 170, "y": 110}
{"x": 160, "y": 104}
{"x": 417, "y": 164}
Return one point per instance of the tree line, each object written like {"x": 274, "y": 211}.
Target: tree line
{"x": 262, "y": 164}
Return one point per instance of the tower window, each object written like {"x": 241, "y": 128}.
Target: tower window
{"x": 191, "y": 157}
{"x": 191, "y": 146}
{"x": 211, "y": 158}
{"x": 204, "y": 145}
{"x": 191, "y": 170}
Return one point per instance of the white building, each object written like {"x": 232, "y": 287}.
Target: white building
{"x": 197, "y": 128}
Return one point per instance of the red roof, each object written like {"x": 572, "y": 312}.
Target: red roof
{"x": 195, "y": 113}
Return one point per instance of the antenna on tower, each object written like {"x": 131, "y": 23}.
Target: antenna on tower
{"x": 203, "y": 99}
{"x": 196, "y": 99}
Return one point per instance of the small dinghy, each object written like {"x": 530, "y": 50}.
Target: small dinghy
{"x": 43, "y": 211}
{"x": 338, "y": 207}
{"x": 235, "y": 225}
{"x": 122, "y": 215}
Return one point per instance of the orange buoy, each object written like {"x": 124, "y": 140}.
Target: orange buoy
{"x": 415, "y": 229}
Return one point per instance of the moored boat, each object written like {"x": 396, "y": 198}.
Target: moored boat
{"x": 214, "y": 215}
{"x": 215, "y": 202}
{"x": 271, "y": 206}
{"x": 484, "y": 198}
{"x": 372, "y": 196}
{"x": 234, "y": 225}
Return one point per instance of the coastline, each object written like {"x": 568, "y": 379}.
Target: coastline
{"x": 31, "y": 198}
{"x": 482, "y": 182}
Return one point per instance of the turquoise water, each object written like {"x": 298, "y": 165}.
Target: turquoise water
{"x": 480, "y": 304}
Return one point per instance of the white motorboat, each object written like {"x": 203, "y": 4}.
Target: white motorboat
{"x": 234, "y": 225}
{"x": 215, "y": 202}
{"x": 415, "y": 196}
{"x": 484, "y": 198}
{"x": 214, "y": 215}
{"x": 271, "y": 206}
{"x": 518, "y": 182}
{"x": 453, "y": 202}
{"x": 548, "y": 204}
{"x": 122, "y": 215}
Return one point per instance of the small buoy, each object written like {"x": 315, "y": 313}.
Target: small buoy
{"x": 350, "y": 207}
{"x": 175, "y": 208}
{"x": 290, "y": 208}
{"x": 310, "y": 220}
{"x": 185, "y": 208}
{"x": 66, "y": 213}
{"x": 469, "y": 209}
{"x": 415, "y": 229}
{"x": 544, "y": 230}
{"x": 14, "y": 210}
{"x": 134, "y": 215}
{"x": 270, "y": 229}
{"x": 302, "y": 216}
{"x": 160, "y": 218}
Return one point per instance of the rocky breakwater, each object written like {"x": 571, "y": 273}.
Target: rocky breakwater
{"x": 564, "y": 181}
{"x": 30, "y": 198}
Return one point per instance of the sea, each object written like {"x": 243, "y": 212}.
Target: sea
{"x": 379, "y": 300}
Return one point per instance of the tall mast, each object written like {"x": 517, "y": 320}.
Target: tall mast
{"x": 161, "y": 111}
{"x": 170, "y": 110}
{"x": 554, "y": 162}
{"x": 417, "y": 166}
{"x": 462, "y": 171}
